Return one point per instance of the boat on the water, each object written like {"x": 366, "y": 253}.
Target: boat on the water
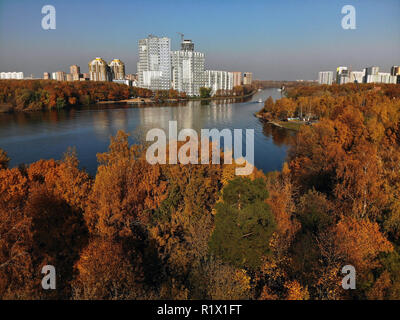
{"x": 259, "y": 101}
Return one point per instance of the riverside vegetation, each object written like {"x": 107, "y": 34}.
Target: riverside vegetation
{"x": 141, "y": 231}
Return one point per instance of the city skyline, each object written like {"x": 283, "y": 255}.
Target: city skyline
{"x": 286, "y": 41}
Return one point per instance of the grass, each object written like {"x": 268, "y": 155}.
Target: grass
{"x": 291, "y": 125}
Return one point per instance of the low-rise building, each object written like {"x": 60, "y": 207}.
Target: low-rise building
{"x": 12, "y": 75}
{"x": 247, "y": 78}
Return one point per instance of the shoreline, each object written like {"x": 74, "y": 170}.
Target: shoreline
{"x": 136, "y": 102}
{"x": 141, "y": 101}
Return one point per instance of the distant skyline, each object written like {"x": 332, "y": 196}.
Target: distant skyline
{"x": 276, "y": 40}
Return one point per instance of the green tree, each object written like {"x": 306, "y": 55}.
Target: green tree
{"x": 205, "y": 92}
{"x": 243, "y": 224}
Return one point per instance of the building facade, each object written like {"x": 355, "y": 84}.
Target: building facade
{"x": 154, "y": 66}
{"x": 395, "y": 71}
{"x": 247, "y": 78}
{"x": 325, "y": 77}
{"x": 117, "y": 68}
{"x": 218, "y": 80}
{"x": 46, "y": 76}
{"x": 237, "y": 78}
{"x": 59, "y": 76}
{"x": 342, "y": 75}
{"x": 12, "y": 75}
{"x": 75, "y": 72}
{"x": 188, "y": 69}
{"x": 357, "y": 76}
{"x": 99, "y": 70}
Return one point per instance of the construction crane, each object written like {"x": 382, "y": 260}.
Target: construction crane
{"x": 182, "y": 36}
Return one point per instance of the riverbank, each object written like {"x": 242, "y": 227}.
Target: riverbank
{"x": 294, "y": 125}
{"x": 141, "y": 101}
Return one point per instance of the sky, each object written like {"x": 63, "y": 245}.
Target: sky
{"x": 276, "y": 40}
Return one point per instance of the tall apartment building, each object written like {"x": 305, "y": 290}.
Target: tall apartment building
{"x": 46, "y": 75}
{"x": 59, "y": 76}
{"x": 99, "y": 70}
{"x": 75, "y": 71}
{"x": 386, "y": 77}
{"x": 12, "y": 75}
{"x": 218, "y": 80}
{"x": 237, "y": 78}
{"x": 117, "y": 68}
{"x": 342, "y": 75}
{"x": 357, "y": 76}
{"x": 325, "y": 77}
{"x": 247, "y": 78}
{"x": 154, "y": 66}
{"x": 187, "y": 69}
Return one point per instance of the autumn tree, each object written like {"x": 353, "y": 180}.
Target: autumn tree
{"x": 4, "y": 160}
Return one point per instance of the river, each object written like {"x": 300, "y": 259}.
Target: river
{"x": 28, "y": 137}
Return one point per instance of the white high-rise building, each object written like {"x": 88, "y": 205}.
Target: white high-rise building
{"x": 187, "y": 69}
{"x": 12, "y": 75}
{"x": 357, "y": 76}
{"x": 342, "y": 75}
{"x": 218, "y": 80}
{"x": 325, "y": 77}
{"x": 387, "y": 78}
{"x": 154, "y": 66}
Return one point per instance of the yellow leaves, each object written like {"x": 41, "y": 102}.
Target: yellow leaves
{"x": 4, "y": 159}
{"x": 296, "y": 291}
{"x": 381, "y": 286}
{"x": 12, "y": 185}
{"x": 360, "y": 241}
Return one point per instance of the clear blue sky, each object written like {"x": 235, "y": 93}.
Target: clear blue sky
{"x": 282, "y": 39}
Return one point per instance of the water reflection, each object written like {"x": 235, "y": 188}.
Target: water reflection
{"x": 280, "y": 136}
{"x": 28, "y": 137}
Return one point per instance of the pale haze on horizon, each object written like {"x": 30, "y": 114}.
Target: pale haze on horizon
{"x": 276, "y": 40}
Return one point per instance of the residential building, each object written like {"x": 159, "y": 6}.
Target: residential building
{"x": 117, "y": 68}
{"x": 123, "y": 81}
{"x": 75, "y": 71}
{"x": 154, "y": 66}
{"x": 218, "y": 80}
{"x": 357, "y": 76}
{"x": 59, "y": 76}
{"x": 12, "y": 75}
{"x": 387, "y": 78}
{"x": 131, "y": 77}
{"x": 247, "y": 78}
{"x": 46, "y": 76}
{"x": 325, "y": 77}
{"x": 395, "y": 71}
{"x": 187, "y": 69}
{"x": 237, "y": 78}
{"x": 99, "y": 70}
{"x": 342, "y": 75}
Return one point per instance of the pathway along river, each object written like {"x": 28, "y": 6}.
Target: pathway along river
{"x": 28, "y": 137}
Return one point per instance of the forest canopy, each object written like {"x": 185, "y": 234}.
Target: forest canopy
{"x": 141, "y": 231}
